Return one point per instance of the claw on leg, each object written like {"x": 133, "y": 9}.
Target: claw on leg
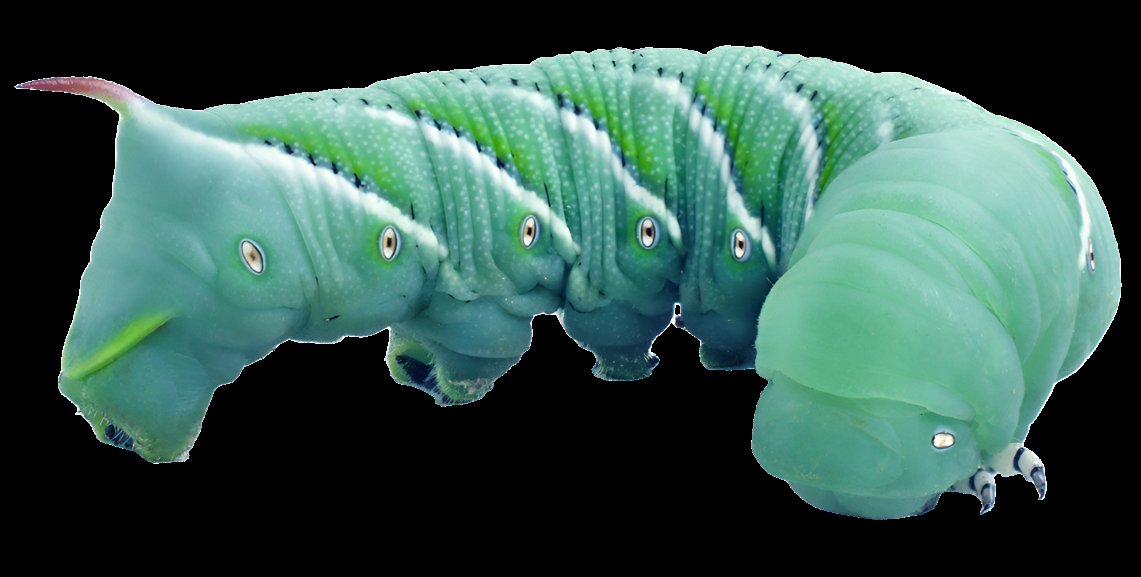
{"x": 1038, "y": 477}
{"x": 982, "y": 485}
{"x": 1016, "y": 459}
{"x": 1032, "y": 469}
{"x": 987, "y": 495}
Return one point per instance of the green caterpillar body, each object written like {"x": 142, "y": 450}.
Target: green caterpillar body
{"x": 911, "y": 273}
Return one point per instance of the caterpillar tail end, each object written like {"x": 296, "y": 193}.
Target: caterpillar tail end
{"x": 117, "y": 96}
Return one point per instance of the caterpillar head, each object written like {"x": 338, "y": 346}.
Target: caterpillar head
{"x": 872, "y": 458}
{"x": 199, "y": 269}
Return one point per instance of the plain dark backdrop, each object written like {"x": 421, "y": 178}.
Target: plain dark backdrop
{"x": 322, "y": 430}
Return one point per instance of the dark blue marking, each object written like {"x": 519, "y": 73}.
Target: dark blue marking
{"x": 1017, "y": 456}
{"x": 930, "y": 504}
{"x": 420, "y": 373}
{"x": 119, "y": 437}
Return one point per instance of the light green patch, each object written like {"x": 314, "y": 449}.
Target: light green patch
{"x": 703, "y": 87}
{"x": 347, "y": 162}
{"x": 122, "y": 342}
{"x": 832, "y": 124}
{"x": 480, "y": 131}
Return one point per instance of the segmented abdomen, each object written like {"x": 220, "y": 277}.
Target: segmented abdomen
{"x": 654, "y": 176}
{"x": 703, "y": 145}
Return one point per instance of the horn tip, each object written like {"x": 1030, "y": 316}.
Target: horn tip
{"x": 110, "y": 93}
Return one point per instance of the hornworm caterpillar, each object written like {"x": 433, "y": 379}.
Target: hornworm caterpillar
{"x": 933, "y": 269}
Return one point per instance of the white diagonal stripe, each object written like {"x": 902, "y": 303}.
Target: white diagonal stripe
{"x": 501, "y": 179}
{"x": 1084, "y": 231}
{"x": 600, "y": 140}
{"x": 716, "y": 147}
{"x": 801, "y": 108}
{"x": 1084, "y": 234}
{"x": 279, "y": 162}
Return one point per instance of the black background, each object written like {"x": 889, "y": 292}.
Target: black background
{"x": 322, "y": 431}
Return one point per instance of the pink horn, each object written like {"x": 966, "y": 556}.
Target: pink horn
{"x": 114, "y": 95}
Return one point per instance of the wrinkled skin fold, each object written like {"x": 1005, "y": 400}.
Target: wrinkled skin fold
{"x": 912, "y": 308}
{"x": 161, "y": 320}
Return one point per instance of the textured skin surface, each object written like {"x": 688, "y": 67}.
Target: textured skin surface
{"x": 615, "y": 295}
